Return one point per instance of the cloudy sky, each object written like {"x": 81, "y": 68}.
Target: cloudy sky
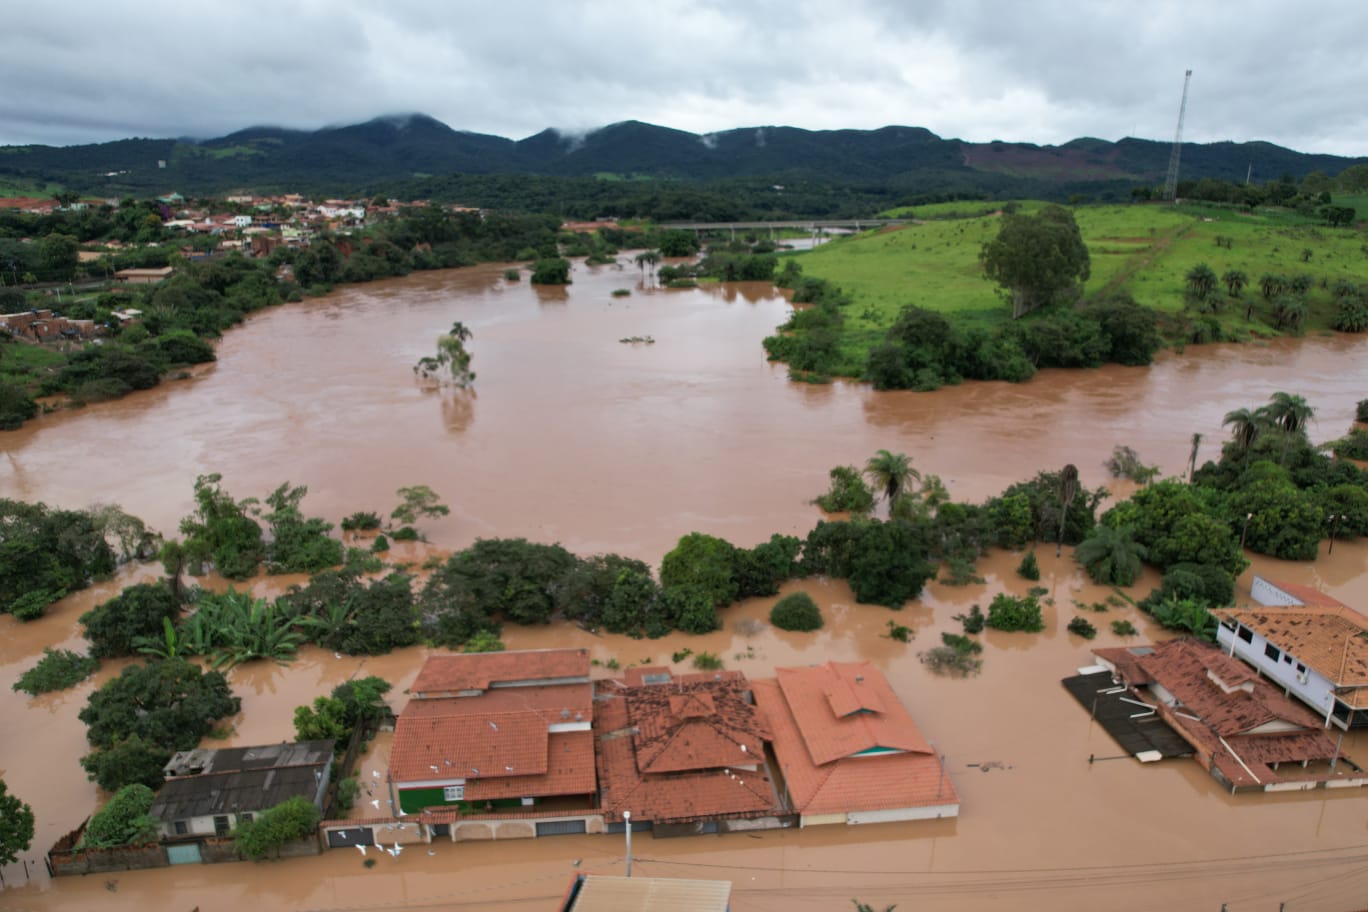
{"x": 1294, "y": 74}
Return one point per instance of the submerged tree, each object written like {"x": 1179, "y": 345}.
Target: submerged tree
{"x": 1068, "y": 490}
{"x": 451, "y": 357}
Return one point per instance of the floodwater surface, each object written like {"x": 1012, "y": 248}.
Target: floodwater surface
{"x": 572, "y": 436}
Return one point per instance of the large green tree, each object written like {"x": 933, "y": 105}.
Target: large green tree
{"x": 16, "y": 826}
{"x": 159, "y": 708}
{"x": 114, "y": 627}
{"x": 1037, "y": 259}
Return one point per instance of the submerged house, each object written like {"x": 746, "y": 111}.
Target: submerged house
{"x": 1315, "y": 651}
{"x": 684, "y": 754}
{"x": 494, "y": 730}
{"x": 210, "y": 792}
{"x": 1243, "y": 730}
{"x": 848, "y": 750}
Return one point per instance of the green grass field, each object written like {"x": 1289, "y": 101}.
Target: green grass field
{"x": 1145, "y": 250}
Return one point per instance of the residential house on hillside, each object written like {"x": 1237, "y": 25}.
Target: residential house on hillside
{"x": 1243, "y": 730}
{"x": 492, "y": 730}
{"x": 1317, "y": 653}
{"x": 848, "y": 749}
{"x": 210, "y": 792}
{"x": 684, "y": 754}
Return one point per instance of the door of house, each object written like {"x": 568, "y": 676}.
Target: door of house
{"x": 559, "y": 827}
{"x": 185, "y": 853}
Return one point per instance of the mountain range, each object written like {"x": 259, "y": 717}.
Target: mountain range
{"x": 389, "y": 150}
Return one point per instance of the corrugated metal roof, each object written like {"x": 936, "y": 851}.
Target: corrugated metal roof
{"x": 599, "y": 893}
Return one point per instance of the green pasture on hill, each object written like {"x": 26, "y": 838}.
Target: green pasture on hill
{"x": 1146, "y": 250}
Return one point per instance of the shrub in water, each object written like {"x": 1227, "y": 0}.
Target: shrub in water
{"x": 1029, "y": 568}
{"x": 1083, "y": 628}
{"x": 796, "y": 611}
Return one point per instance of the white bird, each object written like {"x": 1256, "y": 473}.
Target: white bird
{"x": 361, "y": 849}
{"x": 392, "y": 852}
{"x": 337, "y": 655}
{"x": 375, "y": 803}
{"x": 375, "y": 774}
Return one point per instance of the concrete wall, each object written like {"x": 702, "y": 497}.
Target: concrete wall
{"x": 892, "y": 815}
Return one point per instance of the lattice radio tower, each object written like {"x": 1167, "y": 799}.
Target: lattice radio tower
{"x": 1171, "y": 181}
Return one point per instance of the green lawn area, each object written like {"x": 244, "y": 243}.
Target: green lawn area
{"x": 1146, "y": 250}
{"x": 21, "y": 362}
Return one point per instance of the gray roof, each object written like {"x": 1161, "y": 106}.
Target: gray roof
{"x": 242, "y": 779}
{"x": 234, "y": 759}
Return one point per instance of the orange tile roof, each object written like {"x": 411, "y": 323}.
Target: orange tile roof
{"x": 845, "y": 708}
{"x": 1184, "y": 668}
{"x": 1332, "y": 639}
{"x": 676, "y": 797}
{"x": 1221, "y": 726}
{"x": 569, "y": 771}
{"x": 846, "y": 784}
{"x": 1308, "y": 595}
{"x": 478, "y": 671}
{"x": 552, "y": 703}
{"x": 470, "y": 745}
{"x": 694, "y": 725}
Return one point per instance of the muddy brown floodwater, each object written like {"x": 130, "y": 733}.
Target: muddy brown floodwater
{"x": 575, "y": 437}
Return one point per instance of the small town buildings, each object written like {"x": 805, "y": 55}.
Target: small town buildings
{"x": 494, "y": 730}
{"x": 848, "y": 750}
{"x": 684, "y": 754}
{"x": 1243, "y": 730}
{"x": 210, "y": 792}
{"x": 1317, "y": 653}
{"x": 149, "y": 276}
{"x": 45, "y": 326}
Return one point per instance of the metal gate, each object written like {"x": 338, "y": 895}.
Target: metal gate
{"x": 559, "y": 827}
{"x": 352, "y": 836}
{"x": 185, "y": 853}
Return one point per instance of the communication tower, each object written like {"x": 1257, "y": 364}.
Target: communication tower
{"x": 1171, "y": 181}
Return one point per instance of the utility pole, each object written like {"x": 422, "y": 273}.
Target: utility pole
{"x": 627, "y": 819}
{"x": 1171, "y": 181}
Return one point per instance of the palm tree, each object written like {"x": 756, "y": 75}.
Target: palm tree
{"x": 1111, "y": 556}
{"x": 1235, "y": 281}
{"x": 1068, "y": 490}
{"x": 1289, "y": 312}
{"x": 1192, "y": 457}
{"x": 891, "y": 472}
{"x": 1246, "y": 425}
{"x": 1289, "y": 414}
{"x": 1201, "y": 281}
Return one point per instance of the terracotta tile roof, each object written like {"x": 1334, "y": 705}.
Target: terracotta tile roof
{"x": 843, "y": 785}
{"x": 1308, "y": 595}
{"x": 569, "y": 771}
{"x": 1222, "y": 726}
{"x": 552, "y": 703}
{"x": 672, "y": 797}
{"x": 1331, "y": 639}
{"x": 694, "y": 725}
{"x": 479, "y": 671}
{"x": 433, "y": 746}
{"x": 1186, "y": 668}
{"x": 844, "y": 708}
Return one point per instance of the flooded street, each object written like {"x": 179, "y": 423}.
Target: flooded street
{"x": 572, "y": 436}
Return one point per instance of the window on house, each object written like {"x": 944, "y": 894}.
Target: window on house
{"x": 453, "y": 793}
{"x": 1272, "y": 652}
{"x": 244, "y": 818}
{"x": 181, "y": 828}
{"x": 221, "y": 827}
{"x": 1287, "y": 658}
{"x": 1301, "y": 669}
{"x": 1246, "y": 634}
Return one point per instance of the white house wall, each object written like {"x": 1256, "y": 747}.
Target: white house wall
{"x": 1315, "y": 691}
